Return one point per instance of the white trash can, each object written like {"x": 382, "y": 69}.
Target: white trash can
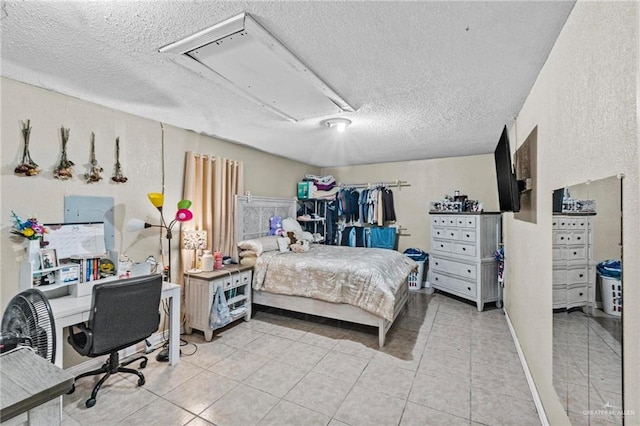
{"x": 611, "y": 294}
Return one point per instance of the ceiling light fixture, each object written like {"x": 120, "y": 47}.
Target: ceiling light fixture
{"x": 339, "y": 123}
{"x": 250, "y": 61}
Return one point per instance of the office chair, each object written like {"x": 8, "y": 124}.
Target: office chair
{"x": 123, "y": 313}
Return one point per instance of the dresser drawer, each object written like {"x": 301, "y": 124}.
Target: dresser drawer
{"x": 445, "y": 246}
{"x": 451, "y": 220}
{"x": 439, "y": 232}
{"x": 468, "y": 235}
{"x": 559, "y": 277}
{"x": 454, "y": 284}
{"x": 577, "y": 276}
{"x": 465, "y": 249}
{"x": 559, "y": 296}
{"x": 575, "y": 253}
{"x": 563, "y": 223}
{"x": 452, "y": 234}
{"x": 454, "y": 268}
{"x": 561, "y": 237}
{"x": 577, "y": 295}
{"x": 558, "y": 253}
{"x": 578, "y": 237}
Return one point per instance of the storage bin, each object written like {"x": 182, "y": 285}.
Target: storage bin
{"x": 611, "y": 293}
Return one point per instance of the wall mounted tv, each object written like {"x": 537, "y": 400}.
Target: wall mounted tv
{"x": 508, "y": 193}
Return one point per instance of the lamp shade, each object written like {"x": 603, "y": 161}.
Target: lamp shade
{"x": 157, "y": 199}
{"x": 135, "y": 225}
{"x": 183, "y": 215}
{"x": 184, "y": 204}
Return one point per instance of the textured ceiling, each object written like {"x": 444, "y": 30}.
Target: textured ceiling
{"x": 427, "y": 79}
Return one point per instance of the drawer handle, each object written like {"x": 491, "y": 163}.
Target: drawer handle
{"x": 469, "y": 270}
{"x": 464, "y": 249}
{"x": 467, "y": 235}
{"x": 575, "y": 253}
{"x": 441, "y": 246}
{"x": 562, "y": 223}
{"x": 437, "y": 278}
{"x": 452, "y": 234}
{"x": 579, "y": 238}
{"x": 581, "y": 275}
{"x": 561, "y": 238}
{"x": 469, "y": 288}
{"x": 581, "y": 294}
{"x": 436, "y": 263}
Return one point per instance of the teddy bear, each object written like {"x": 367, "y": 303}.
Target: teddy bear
{"x": 275, "y": 225}
{"x": 292, "y": 237}
{"x": 301, "y": 246}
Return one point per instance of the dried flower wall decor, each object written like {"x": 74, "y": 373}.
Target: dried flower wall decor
{"x": 64, "y": 170}
{"x": 94, "y": 174}
{"x": 27, "y": 167}
{"x": 118, "y": 176}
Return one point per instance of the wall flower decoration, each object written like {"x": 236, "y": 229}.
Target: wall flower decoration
{"x": 27, "y": 167}
{"x": 29, "y": 229}
{"x": 64, "y": 169}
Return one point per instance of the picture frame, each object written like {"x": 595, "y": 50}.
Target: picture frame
{"x": 48, "y": 258}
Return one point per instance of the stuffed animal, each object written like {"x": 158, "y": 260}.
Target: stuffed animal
{"x": 275, "y": 225}
{"x": 292, "y": 237}
{"x": 300, "y": 246}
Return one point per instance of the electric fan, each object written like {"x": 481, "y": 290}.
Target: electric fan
{"x": 28, "y": 321}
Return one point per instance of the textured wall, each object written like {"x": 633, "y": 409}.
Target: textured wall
{"x": 584, "y": 104}
{"x": 140, "y": 146}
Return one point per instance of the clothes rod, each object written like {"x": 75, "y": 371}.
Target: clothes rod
{"x": 397, "y": 184}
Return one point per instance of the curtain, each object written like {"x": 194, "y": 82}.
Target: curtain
{"x": 211, "y": 183}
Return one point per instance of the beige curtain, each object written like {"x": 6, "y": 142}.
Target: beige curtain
{"x": 211, "y": 183}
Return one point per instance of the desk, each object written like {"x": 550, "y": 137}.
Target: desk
{"x": 70, "y": 310}
{"x": 28, "y": 382}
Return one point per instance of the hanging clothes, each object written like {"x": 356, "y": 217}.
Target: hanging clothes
{"x": 383, "y": 237}
{"x": 389, "y": 212}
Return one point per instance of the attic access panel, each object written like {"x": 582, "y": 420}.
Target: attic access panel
{"x": 244, "y": 55}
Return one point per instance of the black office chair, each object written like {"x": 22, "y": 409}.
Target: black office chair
{"x": 123, "y": 313}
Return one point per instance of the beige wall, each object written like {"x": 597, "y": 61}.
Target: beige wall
{"x": 430, "y": 180}
{"x": 140, "y": 145}
{"x": 584, "y": 104}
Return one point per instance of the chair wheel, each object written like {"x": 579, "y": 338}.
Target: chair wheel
{"x": 140, "y": 381}
{"x": 143, "y": 364}
{"x": 72, "y": 390}
{"x": 90, "y": 402}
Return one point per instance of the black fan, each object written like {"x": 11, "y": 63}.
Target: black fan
{"x": 28, "y": 321}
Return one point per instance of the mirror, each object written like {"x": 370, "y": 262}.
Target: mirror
{"x": 587, "y": 301}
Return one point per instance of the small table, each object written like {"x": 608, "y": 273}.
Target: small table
{"x": 31, "y": 383}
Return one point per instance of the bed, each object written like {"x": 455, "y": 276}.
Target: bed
{"x": 359, "y": 285}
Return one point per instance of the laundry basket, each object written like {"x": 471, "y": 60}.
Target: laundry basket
{"x": 416, "y": 279}
{"x": 609, "y": 272}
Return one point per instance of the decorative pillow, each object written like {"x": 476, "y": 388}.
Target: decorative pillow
{"x": 300, "y": 247}
{"x": 248, "y": 253}
{"x": 283, "y": 244}
{"x": 251, "y": 245}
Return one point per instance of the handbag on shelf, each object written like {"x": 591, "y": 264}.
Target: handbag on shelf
{"x": 220, "y": 314}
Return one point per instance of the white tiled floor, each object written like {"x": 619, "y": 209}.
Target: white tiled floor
{"x": 444, "y": 364}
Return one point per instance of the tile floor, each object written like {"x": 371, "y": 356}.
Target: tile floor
{"x": 587, "y": 373}
{"x": 444, "y": 364}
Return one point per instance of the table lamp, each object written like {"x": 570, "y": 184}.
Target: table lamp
{"x": 194, "y": 240}
{"x": 182, "y": 215}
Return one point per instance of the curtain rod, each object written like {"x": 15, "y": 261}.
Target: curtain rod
{"x": 397, "y": 183}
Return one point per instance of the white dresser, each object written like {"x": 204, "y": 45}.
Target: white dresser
{"x": 574, "y": 273}
{"x": 462, "y": 257}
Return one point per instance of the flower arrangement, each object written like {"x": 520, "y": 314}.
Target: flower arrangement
{"x": 30, "y": 228}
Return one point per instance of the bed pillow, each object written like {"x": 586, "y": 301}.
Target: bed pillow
{"x": 251, "y": 245}
{"x": 248, "y": 253}
{"x": 248, "y": 261}
{"x": 269, "y": 243}
{"x": 291, "y": 225}
{"x": 283, "y": 244}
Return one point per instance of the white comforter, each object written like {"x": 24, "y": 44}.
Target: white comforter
{"x": 368, "y": 278}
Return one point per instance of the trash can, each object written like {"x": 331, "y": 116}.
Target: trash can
{"x": 416, "y": 279}
{"x": 609, "y": 273}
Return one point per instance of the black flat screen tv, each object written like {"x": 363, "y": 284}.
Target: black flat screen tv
{"x": 508, "y": 193}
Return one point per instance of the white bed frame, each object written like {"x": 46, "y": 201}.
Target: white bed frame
{"x": 251, "y": 209}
